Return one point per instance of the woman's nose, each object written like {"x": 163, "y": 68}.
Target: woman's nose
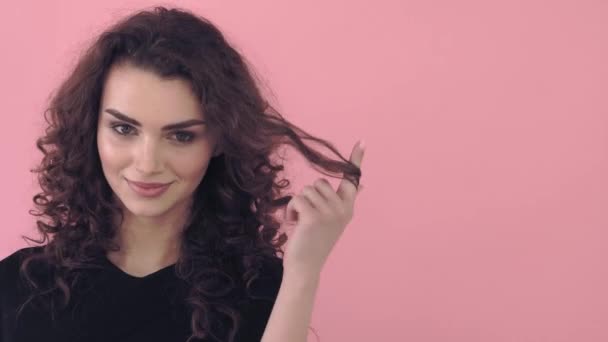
{"x": 148, "y": 157}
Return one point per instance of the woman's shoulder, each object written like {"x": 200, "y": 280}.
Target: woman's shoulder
{"x": 9, "y": 265}
{"x": 273, "y": 270}
{"x": 268, "y": 281}
{"x": 261, "y": 296}
{"x": 273, "y": 266}
{"x": 15, "y": 258}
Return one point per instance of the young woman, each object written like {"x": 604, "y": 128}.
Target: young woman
{"x": 158, "y": 199}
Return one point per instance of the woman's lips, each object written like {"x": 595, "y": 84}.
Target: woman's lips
{"x": 149, "y": 185}
{"x": 145, "y": 190}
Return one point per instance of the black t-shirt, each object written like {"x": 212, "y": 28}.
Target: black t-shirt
{"x": 115, "y": 306}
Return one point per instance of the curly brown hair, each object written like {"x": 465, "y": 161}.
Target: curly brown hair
{"x": 234, "y": 202}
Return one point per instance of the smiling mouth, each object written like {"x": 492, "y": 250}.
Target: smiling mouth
{"x": 145, "y": 185}
{"x": 148, "y": 191}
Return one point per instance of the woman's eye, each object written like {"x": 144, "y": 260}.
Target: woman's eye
{"x": 187, "y": 137}
{"x": 119, "y": 131}
{"x": 181, "y": 136}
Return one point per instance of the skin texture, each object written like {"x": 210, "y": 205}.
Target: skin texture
{"x": 320, "y": 215}
{"x": 149, "y": 236}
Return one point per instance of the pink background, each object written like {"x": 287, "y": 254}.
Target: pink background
{"x": 484, "y": 211}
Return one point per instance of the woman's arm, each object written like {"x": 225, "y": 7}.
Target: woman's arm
{"x": 320, "y": 215}
{"x": 292, "y": 309}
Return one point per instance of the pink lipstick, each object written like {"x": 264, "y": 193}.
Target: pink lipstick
{"x": 148, "y": 189}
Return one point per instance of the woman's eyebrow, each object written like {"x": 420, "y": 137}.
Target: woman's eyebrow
{"x": 124, "y": 117}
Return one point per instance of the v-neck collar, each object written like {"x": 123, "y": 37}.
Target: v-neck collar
{"x": 156, "y": 274}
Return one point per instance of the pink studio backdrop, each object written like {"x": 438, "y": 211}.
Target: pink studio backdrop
{"x": 484, "y": 212}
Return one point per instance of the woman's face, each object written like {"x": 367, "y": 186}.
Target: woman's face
{"x": 136, "y": 144}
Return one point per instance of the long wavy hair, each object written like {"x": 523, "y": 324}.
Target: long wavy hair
{"x": 232, "y": 216}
